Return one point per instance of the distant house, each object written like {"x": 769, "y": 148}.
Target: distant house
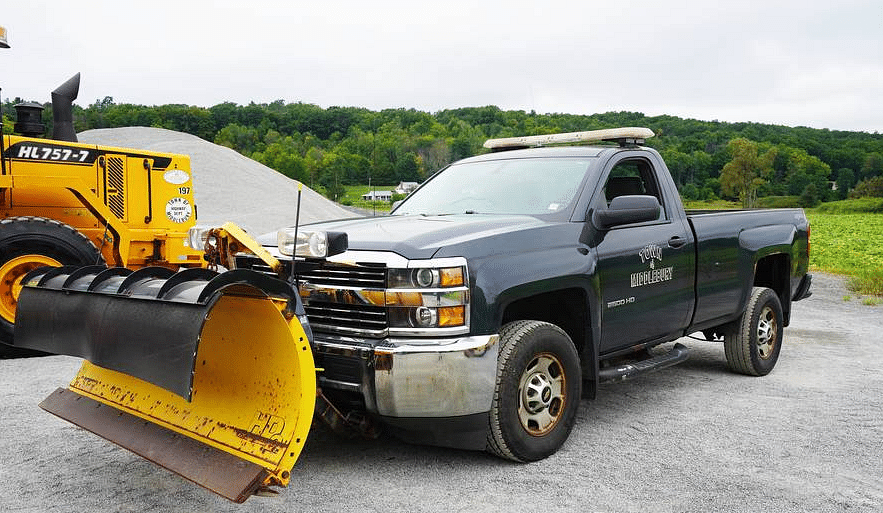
{"x": 406, "y": 187}
{"x": 377, "y": 196}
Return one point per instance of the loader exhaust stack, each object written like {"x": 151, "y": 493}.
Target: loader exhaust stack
{"x": 209, "y": 375}
{"x": 62, "y": 109}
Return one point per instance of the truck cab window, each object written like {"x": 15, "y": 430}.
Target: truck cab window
{"x": 633, "y": 177}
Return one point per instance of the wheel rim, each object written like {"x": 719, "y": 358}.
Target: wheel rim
{"x": 541, "y": 394}
{"x": 766, "y": 333}
{"x": 11, "y": 274}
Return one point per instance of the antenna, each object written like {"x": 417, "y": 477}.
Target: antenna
{"x": 300, "y": 188}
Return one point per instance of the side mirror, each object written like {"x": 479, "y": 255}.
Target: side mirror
{"x": 627, "y": 210}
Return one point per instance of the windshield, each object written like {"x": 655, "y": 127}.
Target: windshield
{"x": 510, "y": 186}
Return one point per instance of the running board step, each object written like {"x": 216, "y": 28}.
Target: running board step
{"x": 678, "y": 354}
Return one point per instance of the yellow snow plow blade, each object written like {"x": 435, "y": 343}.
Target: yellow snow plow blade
{"x": 209, "y": 375}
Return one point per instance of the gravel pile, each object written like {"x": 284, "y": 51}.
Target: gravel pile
{"x": 228, "y": 186}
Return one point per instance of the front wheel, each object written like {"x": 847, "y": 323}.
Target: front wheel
{"x": 27, "y": 243}
{"x": 537, "y": 392}
{"x": 752, "y": 345}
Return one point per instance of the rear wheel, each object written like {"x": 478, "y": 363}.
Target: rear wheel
{"x": 537, "y": 392}
{"x": 752, "y": 346}
{"x": 27, "y": 243}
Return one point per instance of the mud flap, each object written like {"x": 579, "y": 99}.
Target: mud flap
{"x": 209, "y": 375}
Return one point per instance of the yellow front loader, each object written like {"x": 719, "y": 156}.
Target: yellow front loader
{"x": 63, "y": 202}
{"x": 208, "y": 374}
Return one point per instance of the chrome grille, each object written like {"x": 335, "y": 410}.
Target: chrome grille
{"x": 363, "y": 319}
{"x": 365, "y": 277}
{"x": 340, "y": 317}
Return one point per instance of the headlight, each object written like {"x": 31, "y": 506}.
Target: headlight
{"x": 421, "y": 298}
{"x": 426, "y": 277}
{"x": 198, "y": 235}
{"x": 311, "y": 243}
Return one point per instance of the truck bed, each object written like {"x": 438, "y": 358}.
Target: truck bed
{"x": 729, "y": 243}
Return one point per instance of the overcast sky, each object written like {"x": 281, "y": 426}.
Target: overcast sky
{"x": 795, "y": 63}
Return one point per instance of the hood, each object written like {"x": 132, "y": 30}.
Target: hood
{"x": 420, "y": 237}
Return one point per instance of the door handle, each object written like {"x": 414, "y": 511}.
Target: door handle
{"x": 676, "y": 242}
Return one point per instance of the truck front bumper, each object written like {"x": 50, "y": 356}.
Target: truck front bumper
{"x": 412, "y": 378}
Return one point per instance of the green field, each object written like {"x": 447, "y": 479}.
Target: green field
{"x": 849, "y": 244}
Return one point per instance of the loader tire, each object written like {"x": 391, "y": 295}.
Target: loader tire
{"x": 537, "y": 393}
{"x": 27, "y": 243}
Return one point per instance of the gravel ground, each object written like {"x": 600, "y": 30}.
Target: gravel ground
{"x": 694, "y": 437}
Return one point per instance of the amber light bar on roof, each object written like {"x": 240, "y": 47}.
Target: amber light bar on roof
{"x": 611, "y": 134}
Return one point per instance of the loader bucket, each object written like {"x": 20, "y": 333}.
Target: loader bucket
{"x": 209, "y": 375}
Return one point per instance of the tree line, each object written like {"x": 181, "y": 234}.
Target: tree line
{"x": 327, "y": 148}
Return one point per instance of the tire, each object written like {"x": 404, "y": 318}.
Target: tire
{"x": 27, "y": 243}
{"x": 752, "y": 346}
{"x": 537, "y": 391}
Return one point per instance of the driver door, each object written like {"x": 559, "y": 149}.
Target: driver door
{"x": 645, "y": 269}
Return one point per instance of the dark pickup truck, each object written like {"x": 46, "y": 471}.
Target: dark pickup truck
{"x": 510, "y": 284}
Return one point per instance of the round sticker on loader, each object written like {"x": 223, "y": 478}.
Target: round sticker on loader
{"x": 176, "y": 176}
{"x": 178, "y": 210}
